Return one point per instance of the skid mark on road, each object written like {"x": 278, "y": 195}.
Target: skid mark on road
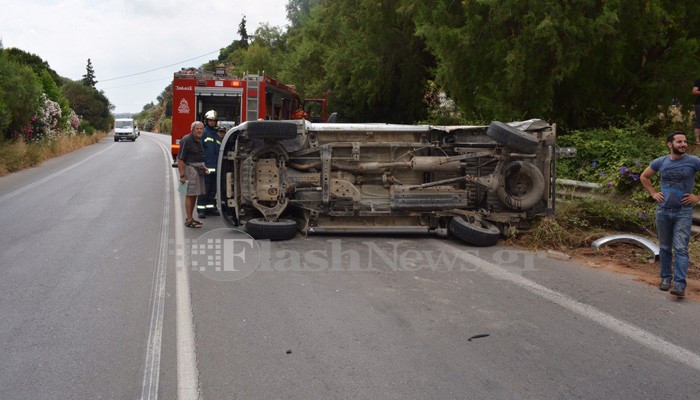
{"x": 187, "y": 371}
{"x": 151, "y": 373}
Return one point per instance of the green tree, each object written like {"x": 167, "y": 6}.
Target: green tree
{"x": 258, "y": 59}
{"x": 265, "y": 53}
{"x": 578, "y": 63}
{"x": 365, "y": 57}
{"x": 243, "y": 33}
{"x": 89, "y": 77}
{"x": 54, "y": 93}
{"x": 36, "y": 63}
{"x": 89, "y": 103}
{"x": 269, "y": 36}
{"x": 234, "y": 53}
{"x": 166, "y": 100}
{"x": 298, "y": 11}
{"x": 20, "y": 96}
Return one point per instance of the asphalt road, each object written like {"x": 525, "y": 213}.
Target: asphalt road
{"x": 98, "y": 300}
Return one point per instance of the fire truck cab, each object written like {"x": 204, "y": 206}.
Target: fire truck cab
{"x": 236, "y": 100}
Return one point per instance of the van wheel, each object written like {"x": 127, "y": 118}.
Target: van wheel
{"x": 483, "y": 234}
{"x": 522, "y": 185}
{"x": 514, "y": 138}
{"x": 271, "y": 130}
{"x": 116, "y": 139}
{"x": 282, "y": 229}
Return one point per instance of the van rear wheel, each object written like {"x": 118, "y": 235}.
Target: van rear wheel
{"x": 282, "y": 229}
{"x": 482, "y": 234}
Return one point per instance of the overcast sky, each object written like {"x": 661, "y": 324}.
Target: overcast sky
{"x": 125, "y": 37}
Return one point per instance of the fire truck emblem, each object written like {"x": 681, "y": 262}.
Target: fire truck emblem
{"x": 183, "y": 108}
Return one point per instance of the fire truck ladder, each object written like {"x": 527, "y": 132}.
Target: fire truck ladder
{"x": 252, "y": 105}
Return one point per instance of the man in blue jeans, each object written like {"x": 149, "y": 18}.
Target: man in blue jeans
{"x": 674, "y": 212}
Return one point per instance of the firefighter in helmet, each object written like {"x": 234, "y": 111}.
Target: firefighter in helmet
{"x": 211, "y": 141}
{"x": 211, "y": 119}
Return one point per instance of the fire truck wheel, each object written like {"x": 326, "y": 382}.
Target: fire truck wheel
{"x": 482, "y": 234}
{"x": 282, "y": 229}
{"x": 518, "y": 140}
{"x": 522, "y": 185}
{"x": 271, "y": 130}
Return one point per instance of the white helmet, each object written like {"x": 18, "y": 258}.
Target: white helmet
{"x": 211, "y": 114}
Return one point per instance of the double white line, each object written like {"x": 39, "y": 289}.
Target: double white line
{"x": 187, "y": 372}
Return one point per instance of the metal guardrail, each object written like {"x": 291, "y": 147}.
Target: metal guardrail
{"x": 568, "y": 183}
{"x": 568, "y": 187}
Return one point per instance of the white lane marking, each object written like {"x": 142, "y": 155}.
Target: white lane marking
{"x": 187, "y": 371}
{"x": 606, "y": 320}
{"x": 151, "y": 372}
{"x": 46, "y": 179}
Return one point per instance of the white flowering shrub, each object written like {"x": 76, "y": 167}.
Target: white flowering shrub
{"x": 45, "y": 123}
{"x": 74, "y": 121}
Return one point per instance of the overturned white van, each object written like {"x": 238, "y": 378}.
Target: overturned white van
{"x": 473, "y": 182}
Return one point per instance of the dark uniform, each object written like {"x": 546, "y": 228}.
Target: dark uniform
{"x": 211, "y": 142}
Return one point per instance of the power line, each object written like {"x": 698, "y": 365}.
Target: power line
{"x": 136, "y": 83}
{"x": 156, "y": 69}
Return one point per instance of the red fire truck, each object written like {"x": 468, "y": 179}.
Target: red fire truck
{"x": 235, "y": 100}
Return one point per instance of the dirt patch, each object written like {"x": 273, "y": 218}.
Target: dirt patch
{"x": 632, "y": 260}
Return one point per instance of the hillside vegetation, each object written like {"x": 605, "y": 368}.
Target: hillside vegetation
{"x": 42, "y": 114}
{"x": 583, "y": 65}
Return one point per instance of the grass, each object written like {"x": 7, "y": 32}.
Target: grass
{"x": 17, "y": 154}
{"x": 580, "y": 221}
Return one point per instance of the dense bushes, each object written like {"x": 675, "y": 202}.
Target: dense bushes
{"x": 612, "y": 156}
{"x": 157, "y": 116}
{"x": 20, "y": 97}
{"x": 38, "y": 118}
{"x": 89, "y": 103}
{"x": 165, "y": 125}
{"x": 37, "y": 104}
{"x": 149, "y": 124}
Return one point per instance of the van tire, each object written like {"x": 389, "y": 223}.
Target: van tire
{"x": 521, "y": 186}
{"x": 271, "y": 130}
{"x": 282, "y": 229}
{"x": 483, "y": 234}
{"x": 516, "y": 139}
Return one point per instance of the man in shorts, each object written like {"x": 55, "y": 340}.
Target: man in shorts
{"x": 190, "y": 163}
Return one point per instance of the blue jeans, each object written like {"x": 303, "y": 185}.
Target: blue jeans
{"x": 673, "y": 228}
